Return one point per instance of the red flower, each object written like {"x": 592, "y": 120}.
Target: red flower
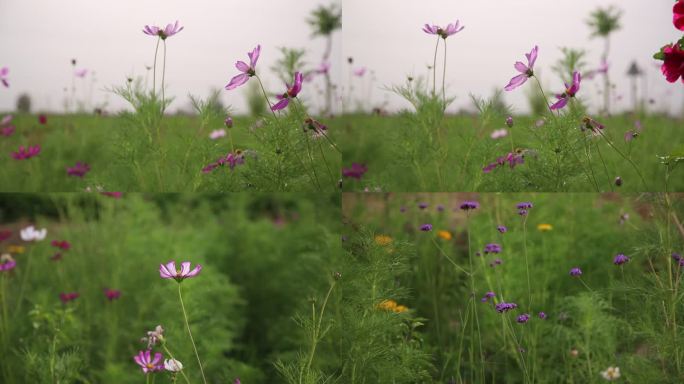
{"x": 42, "y": 119}
{"x": 673, "y": 60}
{"x": 678, "y": 15}
{"x": 62, "y": 244}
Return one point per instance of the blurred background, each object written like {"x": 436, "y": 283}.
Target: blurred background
{"x": 40, "y": 38}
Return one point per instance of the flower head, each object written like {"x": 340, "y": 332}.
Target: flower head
{"x": 291, "y": 92}
{"x": 511, "y": 158}
{"x": 61, "y": 244}
{"x": 611, "y": 373}
{"x": 678, "y": 15}
{"x": 147, "y": 363}
{"x": 509, "y": 121}
{"x": 576, "y": 272}
{"x": 112, "y": 294}
{"x": 154, "y": 336}
{"x": 501, "y": 228}
{"x": 359, "y": 72}
{"x": 499, "y": 133}
{"x": 620, "y": 259}
{"x": 69, "y": 296}
{"x": 570, "y": 91}
{"x": 78, "y": 170}
{"x": 524, "y": 318}
{"x": 170, "y": 30}
{"x": 42, "y": 119}
{"x": 7, "y": 262}
{"x": 232, "y": 159}
{"x": 228, "y": 122}
{"x": 526, "y": 71}
{"x": 383, "y": 240}
{"x": 217, "y": 134}
{"x": 173, "y": 365}
{"x": 495, "y": 263}
{"x": 81, "y": 73}
{"x": 7, "y": 131}
{"x": 544, "y": 227}
{"x": 356, "y": 171}
{"x": 673, "y": 62}
{"x": 426, "y": 227}
{"x": 30, "y": 233}
{"x": 169, "y": 271}
{"x": 25, "y": 153}
{"x": 4, "y": 71}
{"x": 450, "y": 29}
{"x": 492, "y": 248}
{"x": 592, "y": 125}
{"x": 505, "y": 307}
{"x": 317, "y": 128}
{"x": 542, "y": 315}
{"x": 444, "y": 235}
{"x": 247, "y": 70}
{"x": 487, "y": 296}
{"x": 469, "y": 205}
{"x": 6, "y": 120}
{"x": 423, "y": 205}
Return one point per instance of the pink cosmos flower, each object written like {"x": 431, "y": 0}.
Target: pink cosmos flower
{"x": 67, "y": 297}
{"x": 511, "y": 158}
{"x": 317, "y": 128}
{"x": 356, "y": 171}
{"x": 42, "y": 119}
{"x": 292, "y": 92}
{"x": 570, "y": 91}
{"x": 360, "y": 71}
{"x": 673, "y": 63}
{"x": 591, "y": 125}
{"x": 247, "y": 70}
{"x": 6, "y": 120}
{"x": 499, "y": 133}
{"x": 450, "y": 29}
{"x": 526, "y": 71}
{"x": 79, "y": 170}
{"x": 601, "y": 70}
{"x": 7, "y": 131}
{"x": 217, "y": 134}
{"x": 24, "y": 153}
{"x": 7, "y": 262}
{"x": 61, "y": 244}
{"x": 112, "y": 294}
{"x": 170, "y": 30}
{"x": 232, "y": 159}
{"x": 81, "y": 72}
{"x": 678, "y": 15}
{"x": 3, "y": 76}
{"x": 147, "y": 363}
{"x": 168, "y": 271}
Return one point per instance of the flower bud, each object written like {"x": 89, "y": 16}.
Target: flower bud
{"x": 509, "y": 121}
{"x": 229, "y": 122}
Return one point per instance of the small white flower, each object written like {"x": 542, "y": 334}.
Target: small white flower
{"x": 611, "y": 373}
{"x": 217, "y": 134}
{"x": 173, "y": 365}
{"x": 31, "y": 234}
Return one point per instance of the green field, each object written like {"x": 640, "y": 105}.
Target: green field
{"x": 405, "y": 153}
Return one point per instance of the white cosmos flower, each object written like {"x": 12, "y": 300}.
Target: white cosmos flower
{"x": 173, "y": 365}
{"x": 31, "y": 234}
{"x": 611, "y": 373}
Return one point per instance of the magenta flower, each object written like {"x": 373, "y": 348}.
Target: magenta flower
{"x": 79, "y": 170}
{"x": 526, "y": 71}
{"x": 292, "y": 92}
{"x": 112, "y": 294}
{"x": 114, "y": 195}
{"x": 42, "y": 119}
{"x": 169, "y": 271}
{"x": 247, "y": 70}
{"x": 24, "y": 153}
{"x": 7, "y": 131}
{"x": 575, "y": 272}
{"x": 147, "y": 363}
{"x": 170, "y": 30}
{"x": 570, "y": 91}
{"x": 3, "y": 76}
{"x": 356, "y": 171}
{"x": 359, "y": 72}
{"x": 232, "y": 159}
{"x": 512, "y": 159}
{"x": 67, "y": 297}
{"x": 61, "y": 244}
{"x": 7, "y": 262}
{"x": 620, "y": 259}
{"x": 228, "y": 122}
{"x": 450, "y": 29}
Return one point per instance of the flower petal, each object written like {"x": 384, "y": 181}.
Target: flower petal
{"x": 520, "y": 67}
{"x": 195, "y": 271}
{"x": 237, "y": 81}
{"x": 280, "y": 105}
{"x": 242, "y": 66}
{"x": 516, "y": 82}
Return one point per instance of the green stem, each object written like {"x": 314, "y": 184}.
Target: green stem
{"x": 605, "y": 168}
{"x": 636, "y": 168}
{"x": 449, "y": 258}
{"x": 527, "y": 265}
{"x": 173, "y": 358}
{"x": 317, "y": 330}
{"x": 434, "y": 68}
{"x": 444, "y": 75}
{"x": 154, "y": 69}
{"x": 192, "y": 340}
{"x": 163, "y": 77}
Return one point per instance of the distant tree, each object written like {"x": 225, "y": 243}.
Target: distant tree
{"x": 24, "y": 103}
{"x": 572, "y": 60}
{"x": 292, "y": 60}
{"x": 325, "y": 20}
{"x": 603, "y": 22}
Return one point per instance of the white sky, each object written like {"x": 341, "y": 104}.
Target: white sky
{"x": 386, "y": 36}
{"x": 38, "y": 39}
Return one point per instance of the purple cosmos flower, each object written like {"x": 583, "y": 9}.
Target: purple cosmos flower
{"x": 25, "y": 153}
{"x": 570, "y": 91}
{"x": 67, "y": 297}
{"x": 542, "y": 315}
{"x": 247, "y": 70}
{"x": 505, "y": 307}
{"x": 487, "y": 296}
{"x": 450, "y": 29}
{"x": 512, "y": 159}
{"x": 147, "y": 363}
{"x": 602, "y": 69}
{"x": 526, "y": 71}
{"x": 422, "y": 205}
{"x": 501, "y": 229}
{"x": 3, "y": 76}
{"x": 492, "y": 248}
{"x": 61, "y": 244}
{"x": 356, "y": 171}
{"x": 7, "y": 262}
{"x": 469, "y": 205}
{"x": 426, "y": 227}
{"x": 169, "y": 271}
{"x": 630, "y": 135}
{"x": 323, "y": 68}
{"x": 620, "y": 259}
{"x": 170, "y": 30}
{"x": 79, "y": 170}
{"x": 524, "y": 318}
{"x": 576, "y": 272}
{"x": 509, "y": 121}
{"x": 112, "y": 294}
{"x": 229, "y": 122}
{"x": 292, "y": 92}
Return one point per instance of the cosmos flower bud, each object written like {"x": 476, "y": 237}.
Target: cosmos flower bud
{"x": 229, "y": 122}
{"x": 618, "y": 181}
{"x": 173, "y": 365}
{"x": 509, "y": 121}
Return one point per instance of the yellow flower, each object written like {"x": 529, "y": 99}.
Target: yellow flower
{"x": 16, "y": 249}
{"x": 400, "y": 309}
{"x": 445, "y": 235}
{"x": 544, "y": 227}
{"x": 383, "y": 240}
{"x": 388, "y": 305}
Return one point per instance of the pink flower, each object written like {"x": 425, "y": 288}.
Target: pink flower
{"x": 450, "y": 29}
{"x": 26, "y": 153}
{"x": 570, "y": 91}
{"x": 678, "y": 15}
{"x": 112, "y": 294}
{"x": 170, "y": 30}
{"x": 499, "y": 133}
{"x": 79, "y": 170}
{"x": 356, "y": 171}
{"x": 673, "y": 62}
{"x": 602, "y": 69}
{"x": 217, "y": 134}
{"x": 81, "y": 72}
{"x": 247, "y": 70}
{"x": 292, "y": 92}
{"x": 526, "y": 71}
{"x": 232, "y": 159}
{"x": 169, "y": 271}
{"x": 61, "y": 244}
{"x": 592, "y": 125}
{"x": 7, "y": 262}
{"x": 6, "y": 120}
{"x": 42, "y": 119}
{"x": 145, "y": 361}
{"x": 67, "y": 297}
{"x": 511, "y": 158}
{"x": 360, "y": 71}
{"x": 323, "y": 68}
{"x": 7, "y": 131}
{"x": 3, "y": 76}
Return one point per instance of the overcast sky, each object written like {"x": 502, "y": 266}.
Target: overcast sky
{"x": 40, "y": 37}
{"x": 386, "y": 36}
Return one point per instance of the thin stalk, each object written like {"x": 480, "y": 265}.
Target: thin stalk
{"x": 163, "y": 75}
{"x": 472, "y": 293}
{"x": 626, "y": 158}
{"x": 192, "y": 340}
{"x": 605, "y": 168}
{"x": 527, "y": 265}
{"x": 24, "y": 279}
{"x": 444, "y": 75}
{"x": 317, "y": 330}
{"x": 434, "y": 68}
{"x": 154, "y": 69}
{"x": 449, "y": 258}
